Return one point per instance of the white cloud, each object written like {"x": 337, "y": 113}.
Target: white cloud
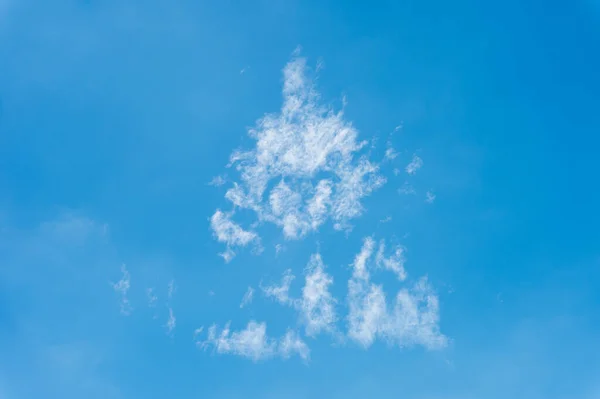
{"x": 198, "y": 331}
{"x": 316, "y": 306}
{"x": 407, "y": 189}
{"x": 218, "y": 181}
{"x": 248, "y": 296}
{"x": 254, "y": 343}
{"x": 386, "y": 219}
{"x": 320, "y": 64}
{"x": 171, "y": 322}
{"x": 415, "y": 164}
{"x": 278, "y": 249}
{"x": 228, "y": 255}
{"x": 280, "y": 292}
{"x": 429, "y": 197}
{"x": 121, "y": 288}
{"x": 291, "y": 344}
{"x": 230, "y": 233}
{"x": 367, "y": 311}
{"x": 415, "y": 318}
{"x": 412, "y": 320}
{"x": 360, "y": 261}
{"x": 390, "y": 153}
{"x": 312, "y": 154}
{"x": 394, "y": 263}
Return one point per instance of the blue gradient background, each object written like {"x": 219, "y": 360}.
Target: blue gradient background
{"x": 114, "y": 116}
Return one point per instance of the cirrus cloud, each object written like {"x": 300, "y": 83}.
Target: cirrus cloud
{"x": 412, "y": 320}
{"x": 306, "y": 167}
{"x": 253, "y": 342}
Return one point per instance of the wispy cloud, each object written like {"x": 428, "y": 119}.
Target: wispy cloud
{"x": 281, "y": 291}
{"x": 218, "y": 181}
{"x": 412, "y": 320}
{"x": 121, "y": 288}
{"x": 198, "y": 331}
{"x": 407, "y": 189}
{"x": 390, "y": 152}
{"x": 316, "y": 306}
{"x": 394, "y": 262}
{"x": 291, "y": 344}
{"x": 429, "y": 197}
{"x": 415, "y": 164}
{"x": 304, "y": 140}
{"x": 359, "y": 269}
{"x": 247, "y": 298}
{"x": 254, "y": 343}
{"x": 278, "y": 249}
{"x": 171, "y": 322}
{"x": 308, "y": 168}
{"x": 320, "y": 65}
{"x": 230, "y": 233}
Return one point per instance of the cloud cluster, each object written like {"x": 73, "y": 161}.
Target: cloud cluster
{"x": 393, "y": 263}
{"x": 316, "y": 306}
{"x": 254, "y": 343}
{"x": 413, "y": 319}
{"x": 308, "y": 168}
{"x": 280, "y": 292}
{"x": 304, "y": 170}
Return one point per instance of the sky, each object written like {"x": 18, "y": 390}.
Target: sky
{"x": 299, "y": 199}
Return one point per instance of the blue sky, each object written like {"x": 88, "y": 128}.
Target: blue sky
{"x": 285, "y": 199}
